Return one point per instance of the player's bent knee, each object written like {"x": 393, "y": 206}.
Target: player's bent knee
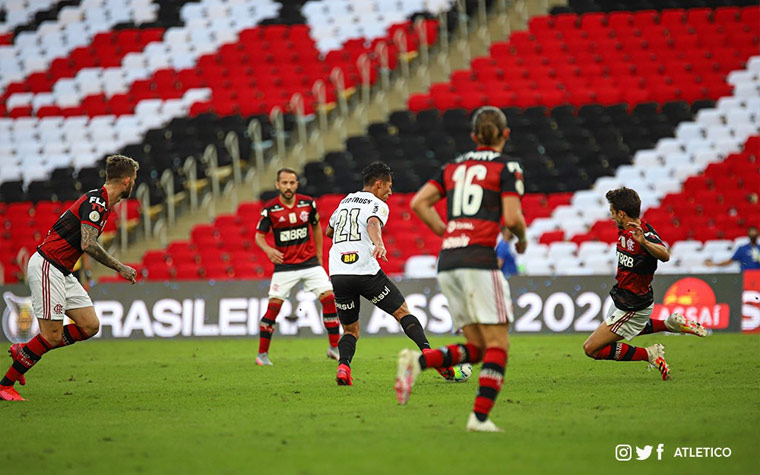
{"x": 589, "y": 349}
{"x": 92, "y": 328}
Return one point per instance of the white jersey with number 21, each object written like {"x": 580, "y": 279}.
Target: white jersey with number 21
{"x": 351, "y": 252}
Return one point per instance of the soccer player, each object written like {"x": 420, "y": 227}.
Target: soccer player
{"x": 639, "y": 247}
{"x": 55, "y": 291}
{"x": 297, "y": 257}
{"x": 356, "y": 230}
{"x": 482, "y": 187}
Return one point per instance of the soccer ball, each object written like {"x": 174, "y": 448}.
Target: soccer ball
{"x": 462, "y": 372}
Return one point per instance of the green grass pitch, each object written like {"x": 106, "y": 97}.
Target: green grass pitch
{"x": 202, "y": 406}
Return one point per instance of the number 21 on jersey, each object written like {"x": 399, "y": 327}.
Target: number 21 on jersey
{"x": 352, "y": 219}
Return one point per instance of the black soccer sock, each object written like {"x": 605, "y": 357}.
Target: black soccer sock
{"x": 347, "y": 348}
{"x": 414, "y": 331}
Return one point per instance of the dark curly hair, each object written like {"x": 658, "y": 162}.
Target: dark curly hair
{"x": 625, "y": 199}
{"x": 376, "y": 171}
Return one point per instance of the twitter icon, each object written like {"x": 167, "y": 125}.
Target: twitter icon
{"x": 643, "y": 454}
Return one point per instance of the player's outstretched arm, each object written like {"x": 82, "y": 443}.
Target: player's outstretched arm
{"x": 92, "y": 247}
{"x": 710, "y": 263}
{"x": 375, "y": 231}
{"x": 273, "y": 254}
{"x": 514, "y": 220}
{"x": 423, "y": 206}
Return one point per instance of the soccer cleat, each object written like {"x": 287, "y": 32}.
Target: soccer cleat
{"x": 408, "y": 370}
{"x": 656, "y": 354}
{"x": 9, "y": 393}
{"x": 262, "y": 359}
{"x": 333, "y": 353}
{"x": 14, "y": 351}
{"x": 677, "y": 323}
{"x": 343, "y": 377}
{"x": 474, "y": 425}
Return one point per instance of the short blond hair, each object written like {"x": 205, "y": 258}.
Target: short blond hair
{"x": 119, "y": 166}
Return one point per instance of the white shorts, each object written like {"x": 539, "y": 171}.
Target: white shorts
{"x": 627, "y": 324}
{"x": 52, "y": 292}
{"x": 477, "y": 296}
{"x": 314, "y": 280}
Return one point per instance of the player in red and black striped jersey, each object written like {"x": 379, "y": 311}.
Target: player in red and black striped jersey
{"x": 475, "y": 184}
{"x": 482, "y": 187}
{"x": 297, "y": 256}
{"x": 636, "y": 267}
{"x": 639, "y": 247}
{"x": 62, "y": 245}
{"x": 55, "y": 291}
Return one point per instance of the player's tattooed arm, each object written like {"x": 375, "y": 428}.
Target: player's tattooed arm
{"x": 92, "y": 247}
{"x": 423, "y": 205}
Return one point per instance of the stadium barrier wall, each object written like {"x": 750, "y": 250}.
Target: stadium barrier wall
{"x": 233, "y": 308}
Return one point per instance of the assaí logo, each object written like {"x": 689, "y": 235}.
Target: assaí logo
{"x": 19, "y": 324}
{"x": 694, "y": 299}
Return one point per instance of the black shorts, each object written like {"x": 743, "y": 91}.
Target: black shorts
{"x": 378, "y": 289}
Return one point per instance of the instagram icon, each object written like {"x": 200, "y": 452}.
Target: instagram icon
{"x": 623, "y": 452}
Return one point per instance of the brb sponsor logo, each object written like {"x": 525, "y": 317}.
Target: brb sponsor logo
{"x": 294, "y": 234}
{"x": 694, "y": 299}
{"x": 624, "y": 452}
{"x": 19, "y": 324}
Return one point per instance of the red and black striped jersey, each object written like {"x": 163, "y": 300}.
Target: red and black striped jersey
{"x": 63, "y": 244}
{"x": 474, "y": 184}
{"x": 291, "y": 227}
{"x": 635, "y": 271}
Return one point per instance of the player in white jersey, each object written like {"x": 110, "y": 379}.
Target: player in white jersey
{"x": 356, "y": 230}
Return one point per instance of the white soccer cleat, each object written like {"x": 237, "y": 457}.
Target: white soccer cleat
{"x": 474, "y": 425}
{"x": 333, "y": 353}
{"x": 656, "y": 354}
{"x": 677, "y": 323}
{"x": 408, "y": 370}
{"x": 262, "y": 359}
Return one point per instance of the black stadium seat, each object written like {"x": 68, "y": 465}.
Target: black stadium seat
{"x": 562, "y": 149}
